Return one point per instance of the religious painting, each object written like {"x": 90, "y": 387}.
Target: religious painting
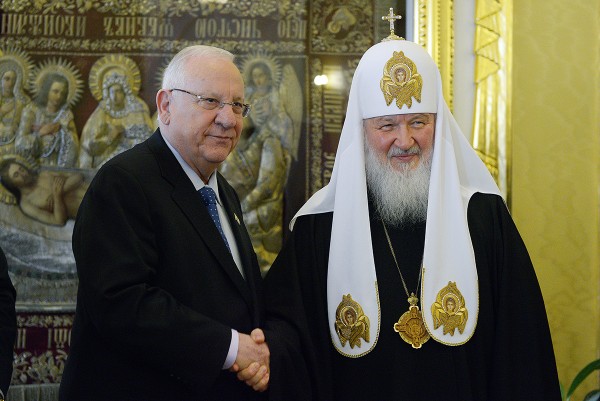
{"x": 121, "y": 119}
{"x": 41, "y": 186}
{"x": 259, "y": 166}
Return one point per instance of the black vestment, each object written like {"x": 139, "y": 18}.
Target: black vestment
{"x": 510, "y": 356}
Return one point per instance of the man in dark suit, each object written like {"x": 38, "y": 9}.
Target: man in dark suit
{"x": 8, "y": 326}
{"x": 169, "y": 288}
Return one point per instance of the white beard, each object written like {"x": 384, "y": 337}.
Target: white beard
{"x": 400, "y": 196}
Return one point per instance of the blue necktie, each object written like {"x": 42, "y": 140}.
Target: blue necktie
{"x": 210, "y": 200}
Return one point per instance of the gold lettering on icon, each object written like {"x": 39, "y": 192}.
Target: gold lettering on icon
{"x": 237, "y": 28}
{"x": 59, "y": 337}
{"x": 291, "y": 28}
{"x": 70, "y": 26}
{"x": 137, "y": 27}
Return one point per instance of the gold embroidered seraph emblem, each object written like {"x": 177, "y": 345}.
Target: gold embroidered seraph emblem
{"x": 401, "y": 81}
{"x": 449, "y": 310}
{"x": 351, "y": 324}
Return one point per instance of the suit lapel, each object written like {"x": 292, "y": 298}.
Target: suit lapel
{"x": 244, "y": 244}
{"x": 234, "y": 215}
{"x": 189, "y": 201}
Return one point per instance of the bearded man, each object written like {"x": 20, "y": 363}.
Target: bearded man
{"x": 412, "y": 239}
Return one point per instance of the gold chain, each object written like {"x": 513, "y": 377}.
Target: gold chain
{"x": 397, "y": 266}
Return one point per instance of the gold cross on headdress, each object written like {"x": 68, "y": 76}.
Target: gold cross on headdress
{"x": 392, "y": 18}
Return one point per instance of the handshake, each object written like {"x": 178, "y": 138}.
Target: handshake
{"x": 252, "y": 360}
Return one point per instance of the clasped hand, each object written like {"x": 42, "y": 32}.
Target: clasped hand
{"x": 252, "y": 361}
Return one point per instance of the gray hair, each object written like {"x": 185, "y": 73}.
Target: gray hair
{"x": 174, "y": 73}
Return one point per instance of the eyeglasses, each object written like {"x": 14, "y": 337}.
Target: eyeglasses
{"x": 210, "y": 103}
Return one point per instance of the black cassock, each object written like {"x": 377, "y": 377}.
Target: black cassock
{"x": 510, "y": 356}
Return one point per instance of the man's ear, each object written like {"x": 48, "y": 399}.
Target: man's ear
{"x": 163, "y": 103}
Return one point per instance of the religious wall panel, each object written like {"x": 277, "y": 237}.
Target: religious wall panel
{"x": 105, "y": 61}
{"x": 78, "y": 86}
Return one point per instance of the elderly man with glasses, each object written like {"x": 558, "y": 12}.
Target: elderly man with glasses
{"x": 169, "y": 300}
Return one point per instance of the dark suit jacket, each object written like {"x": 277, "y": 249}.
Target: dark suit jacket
{"x": 158, "y": 290}
{"x": 8, "y": 324}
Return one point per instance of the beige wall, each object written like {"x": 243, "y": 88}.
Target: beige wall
{"x": 556, "y": 150}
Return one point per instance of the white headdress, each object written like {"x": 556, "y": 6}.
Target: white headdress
{"x": 400, "y": 77}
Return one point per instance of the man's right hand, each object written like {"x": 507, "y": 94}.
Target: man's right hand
{"x": 252, "y": 361}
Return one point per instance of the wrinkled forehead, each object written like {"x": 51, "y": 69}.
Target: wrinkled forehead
{"x": 396, "y": 77}
{"x": 213, "y": 74}
{"x": 204, "y": 67}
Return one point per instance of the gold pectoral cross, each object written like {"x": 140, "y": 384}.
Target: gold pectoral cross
{"x": 410, "y": 326}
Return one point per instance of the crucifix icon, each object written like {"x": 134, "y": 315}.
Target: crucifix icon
{"x": 392, "y": 18}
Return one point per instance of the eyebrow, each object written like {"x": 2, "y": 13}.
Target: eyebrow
{"x": 218, "y": 97}
{"x": 421, "y": 115}
{"x": 382, "y": 119}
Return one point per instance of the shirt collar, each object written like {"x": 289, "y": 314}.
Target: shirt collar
{"x": 196, "y": 180}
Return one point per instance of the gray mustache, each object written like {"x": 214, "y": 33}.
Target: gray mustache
{"x": 413, "y": 150}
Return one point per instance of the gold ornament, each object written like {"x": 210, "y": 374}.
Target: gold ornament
{"x": 114, "y": 64}
{"x": 410, "y": 326}
{"x": 58, "y": 65}
{"x": 12, "y": 58}
{"x": 401, "y": 81}
{"x": 351, "y": 324}
{"x": 449, "y": 310}
{"x": 391, "y": 18}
